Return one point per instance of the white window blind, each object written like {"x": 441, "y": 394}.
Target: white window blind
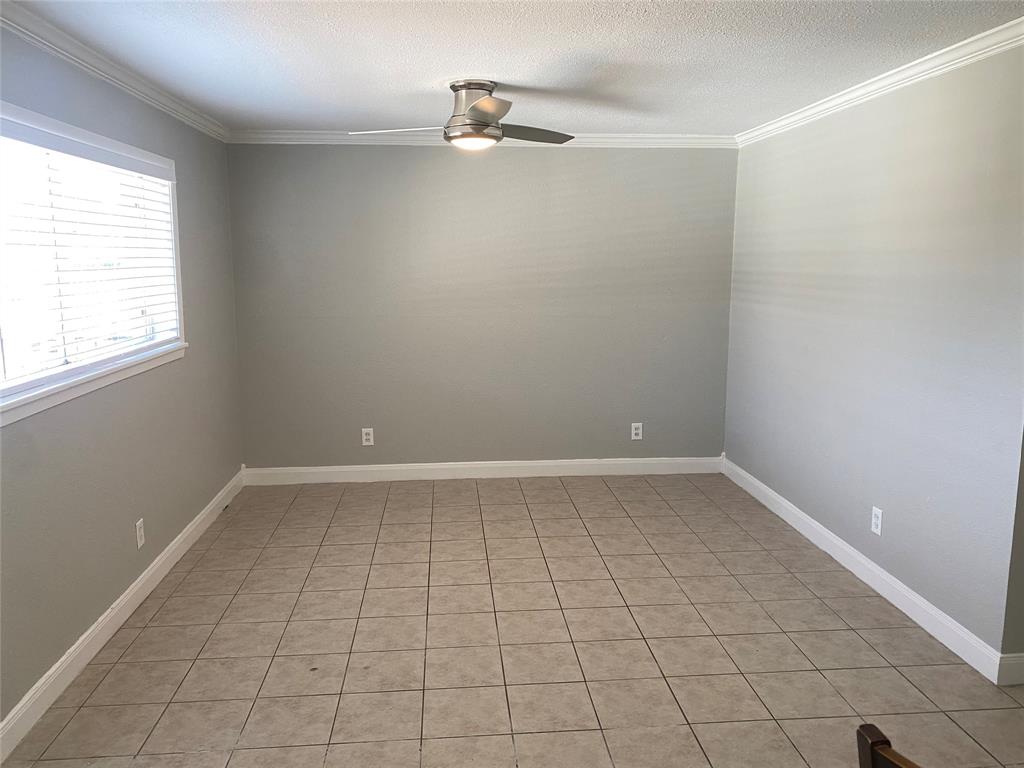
{"x": 88, "y": 266}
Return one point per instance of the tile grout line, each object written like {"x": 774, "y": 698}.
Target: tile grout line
{"x": 426, "y": 619}
{"x": 288, "y": 621}
{"x": 940, "y": 710}
{"x": 646, "y": 640}
{"x": 359, "y": 612}
{"x": 629, "y": 610}
{"x": 767, "y": 709}
{"x": 193, "y": 661}
{"x": 494, "y": 613}
{"x": 572, "y": 640}
{"x": 256, "y": 697}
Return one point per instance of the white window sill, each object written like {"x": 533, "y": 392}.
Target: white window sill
{"x": 18, "y": 406}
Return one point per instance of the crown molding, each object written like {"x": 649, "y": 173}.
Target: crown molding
{"x": 997, "y": 40}
{"x": 43, "y": 34}
{"x": 35, "y": 30}
{"x": 39, "y": 32}
{"x": 428, "y": 139}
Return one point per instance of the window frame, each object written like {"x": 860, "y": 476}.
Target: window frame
{"x": 59, "y": 386}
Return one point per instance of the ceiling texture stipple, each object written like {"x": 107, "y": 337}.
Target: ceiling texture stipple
{"x": 715, "y": 68}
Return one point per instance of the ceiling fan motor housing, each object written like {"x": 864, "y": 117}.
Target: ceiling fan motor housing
{"x": 459, "y": 125}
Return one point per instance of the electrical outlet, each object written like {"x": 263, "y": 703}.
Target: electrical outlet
{"x": 140, "y": 532}
{"x": 876, "y": 521}
{"x": 367, "y": 435}
{"x": 637, "y": 431}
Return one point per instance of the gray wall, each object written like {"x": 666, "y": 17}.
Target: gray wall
{"x": 516, "y": 304}
{"x": 158, "y": 445}
{"x": 875, "y": 342}
{"x": 1013, "y": 628}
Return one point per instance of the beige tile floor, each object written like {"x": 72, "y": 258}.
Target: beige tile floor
{"x": 634, "y": 622}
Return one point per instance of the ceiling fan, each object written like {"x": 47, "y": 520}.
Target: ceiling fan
{"x": 476, "y": 120}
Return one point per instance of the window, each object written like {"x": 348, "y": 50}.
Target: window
{"x": 89, "y": 278}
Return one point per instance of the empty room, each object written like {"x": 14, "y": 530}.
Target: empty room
{"x": 511, "y": 384}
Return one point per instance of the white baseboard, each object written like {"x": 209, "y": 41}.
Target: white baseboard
{"x": 51, "y": 685}
{"x": 1005, "y": 669}
{"x": 360, "y": 473}
{"x": 1011, "y": 669}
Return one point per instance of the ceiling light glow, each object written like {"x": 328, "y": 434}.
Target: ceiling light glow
{"x": 473, "y": 143}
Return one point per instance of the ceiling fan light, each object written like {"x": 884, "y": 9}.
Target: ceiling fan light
{"x": 473, "y": 143}
{"x": 475, "y": 123}
{"x": 471, "y": 136}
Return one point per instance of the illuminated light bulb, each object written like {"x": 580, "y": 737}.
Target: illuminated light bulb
{"x": 473, "y": 143}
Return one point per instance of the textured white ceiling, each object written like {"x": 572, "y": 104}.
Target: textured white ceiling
{"x": 581, "y": 67}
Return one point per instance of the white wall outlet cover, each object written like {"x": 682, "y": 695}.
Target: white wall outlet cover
{"x": 140, "y": 533}
{"x": 367, "y": 435}
{"x": 876, "y": 521}
{"x": 637, "y": 431}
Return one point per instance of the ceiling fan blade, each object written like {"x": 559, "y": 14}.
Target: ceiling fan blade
{"x": 528, "y": 133}
{"x": 489, "y": 109}
{"x": 398, "y": 130}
